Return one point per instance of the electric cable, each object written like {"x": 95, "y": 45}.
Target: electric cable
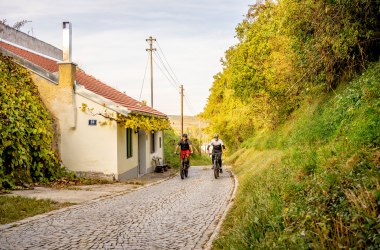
{"x": 158, "y": 66}
{"x": 159, "y": 47}
{"x": 163, "y": 64}
{"x": 142, "y": 85}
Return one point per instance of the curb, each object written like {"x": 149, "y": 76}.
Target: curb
{"x": 73, "y": 207}
{"x": 215, "y": 233}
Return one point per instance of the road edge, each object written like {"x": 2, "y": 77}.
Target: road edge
{"x": 76, "y": 206}
{"x": 215, "y": 233}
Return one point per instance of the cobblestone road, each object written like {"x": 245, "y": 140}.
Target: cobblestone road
{"x": 175, "y": 214}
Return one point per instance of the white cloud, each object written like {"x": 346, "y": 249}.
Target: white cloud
{"x": 109, "y": 40}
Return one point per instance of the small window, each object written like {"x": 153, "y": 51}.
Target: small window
{"x": 152, "y": 143}
{"x": 160, "y": 142}
{"x": 128, "y": 132}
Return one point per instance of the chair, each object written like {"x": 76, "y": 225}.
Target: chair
{"x": 159, "y": 168}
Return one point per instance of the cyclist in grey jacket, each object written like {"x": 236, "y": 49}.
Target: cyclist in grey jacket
{"x": 217, "y": 147}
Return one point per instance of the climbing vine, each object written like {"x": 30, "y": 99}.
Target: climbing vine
{"x": 26, "y": 130}
{"x": 133, "y": 120}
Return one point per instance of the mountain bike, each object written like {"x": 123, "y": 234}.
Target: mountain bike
{"x": 216, "y": 164}
{"x": 185, "y": 164}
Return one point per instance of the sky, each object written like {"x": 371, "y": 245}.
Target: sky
{"x": 109, "y": 42}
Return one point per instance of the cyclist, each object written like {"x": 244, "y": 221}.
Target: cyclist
{"x": 186, "y": 149}
{"x": 217, "y": 147}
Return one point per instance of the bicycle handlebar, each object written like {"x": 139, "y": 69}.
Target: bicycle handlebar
{"x": 216, "y": 153}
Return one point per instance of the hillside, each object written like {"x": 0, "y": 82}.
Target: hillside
{"x": 315, "y": 181}
{"x": 298, "y": 101}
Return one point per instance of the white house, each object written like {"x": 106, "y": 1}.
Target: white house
{"x": 98, "y": 127}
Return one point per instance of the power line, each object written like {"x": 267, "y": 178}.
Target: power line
{"x": 169, "y": 73}
{"x": 191, "y": 108}
{"x": 159, "y": 47}
{"x": 142, "y": 85}
{"x": 163, "y": 64}
{"x": 158, "y": 66}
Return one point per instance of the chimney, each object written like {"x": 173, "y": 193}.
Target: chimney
{"x": 67, "y": 42}
{"x": 66, "y": 82}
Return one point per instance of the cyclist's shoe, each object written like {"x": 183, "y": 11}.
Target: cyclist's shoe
{"x": 221, "y": 170}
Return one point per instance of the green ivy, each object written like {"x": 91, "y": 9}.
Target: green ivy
{"x": 26, "y": 129}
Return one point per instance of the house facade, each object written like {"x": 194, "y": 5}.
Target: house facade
{"x": 95, "y": 135}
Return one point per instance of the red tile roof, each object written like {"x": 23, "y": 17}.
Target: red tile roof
{"x": 89, "y": 82}
{"x": 43, "y": 62}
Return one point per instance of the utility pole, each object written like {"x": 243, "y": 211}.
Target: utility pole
{"x": 181, "y": 109}
{"x": 200, "y": 136}
{"x": 150, "y": 40}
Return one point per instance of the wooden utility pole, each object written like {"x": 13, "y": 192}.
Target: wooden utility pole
{"x": 150, "y": 40}
{"x": 181, "y": 109}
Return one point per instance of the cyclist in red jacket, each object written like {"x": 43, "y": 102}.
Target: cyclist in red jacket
{"x": 186, "y": 148}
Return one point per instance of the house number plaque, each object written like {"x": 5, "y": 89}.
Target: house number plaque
{"x": 92, "y": 122}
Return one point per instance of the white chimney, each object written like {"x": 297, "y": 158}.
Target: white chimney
{"x": 67, "y": 42}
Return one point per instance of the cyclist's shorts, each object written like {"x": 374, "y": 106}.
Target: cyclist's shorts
{"x": 185, "y": 153}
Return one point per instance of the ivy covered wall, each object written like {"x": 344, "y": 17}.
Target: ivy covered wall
{"x": 26, "y": 130}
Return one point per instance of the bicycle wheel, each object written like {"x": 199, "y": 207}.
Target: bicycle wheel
{"x": 182, "y": 174}
{"x": 216, "y": 170}
{"x": 182, "y": 169}
{"x": 186, "y": 172}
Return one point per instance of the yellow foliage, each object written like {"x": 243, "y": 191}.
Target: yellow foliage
{"x": 133, "y": 121}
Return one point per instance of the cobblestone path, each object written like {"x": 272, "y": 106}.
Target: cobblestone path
{"x": 175, "y": 214}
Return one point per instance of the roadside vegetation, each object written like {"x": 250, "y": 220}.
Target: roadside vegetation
{"x": 13, "y": 208}
{"x": 298, "y": 104}
{"x": 315, "y": 181}
{"x": 171, "y": 140}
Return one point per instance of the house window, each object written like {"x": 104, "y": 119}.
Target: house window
{"x": 152, "y": 143}
{"x": 128, "y": 132}
{"x": 160, "y": 142}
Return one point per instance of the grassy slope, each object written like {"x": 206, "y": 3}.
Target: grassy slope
{"x": 314, "y": 182}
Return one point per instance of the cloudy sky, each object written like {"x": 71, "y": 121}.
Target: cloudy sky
{"x": 109, "y": 41}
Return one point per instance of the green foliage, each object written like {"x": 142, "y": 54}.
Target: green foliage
{"x": 314, "y": 181}
{"x": 333, "y": 38}
{"x": 289, "y": 51}
{"x": 171, "y": 139}
{"x": 26, "y": 129}
{"x": 307, "y": 145}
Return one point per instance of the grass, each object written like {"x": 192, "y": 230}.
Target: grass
{"x": 14, "y": 208}
{"x": 315, "y": 181}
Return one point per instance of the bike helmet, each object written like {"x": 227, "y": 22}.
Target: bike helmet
{"x": 216, "y": 135}
{"x": 184, "y": 135}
